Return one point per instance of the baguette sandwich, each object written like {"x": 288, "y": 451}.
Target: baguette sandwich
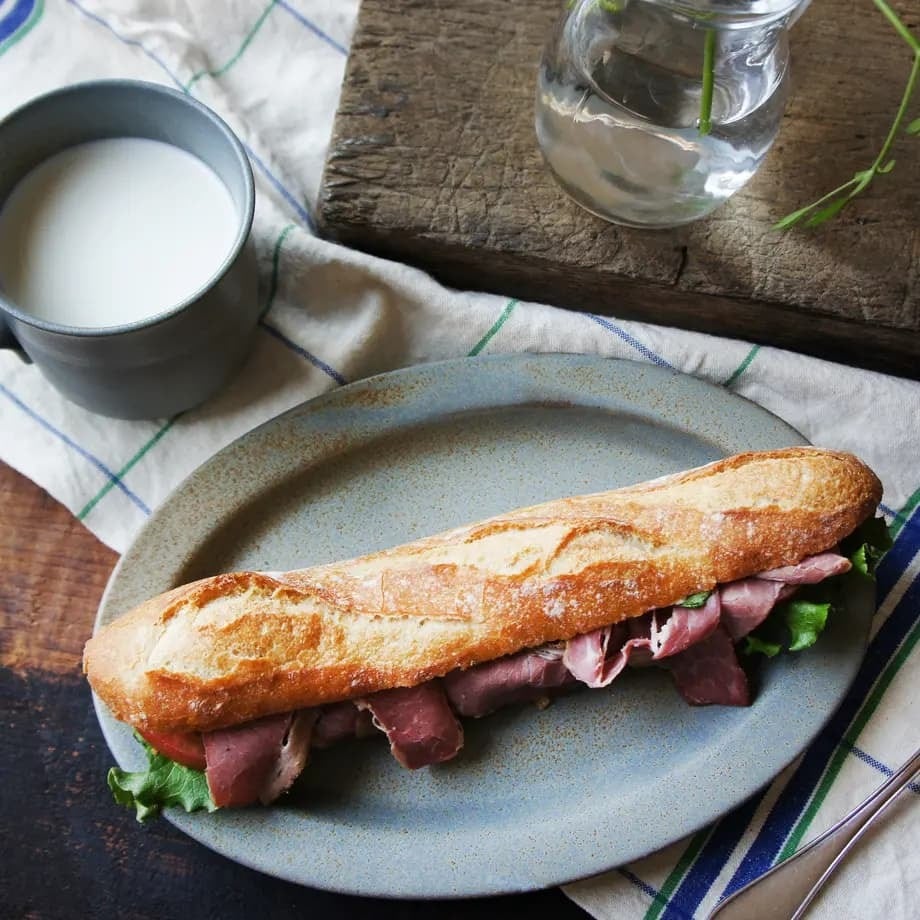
{"x": 231, "y": 681}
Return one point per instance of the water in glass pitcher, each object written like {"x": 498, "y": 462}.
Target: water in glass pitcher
{"x": 618, "y": 104}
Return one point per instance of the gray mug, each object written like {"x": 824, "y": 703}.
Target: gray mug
{"x": 176, "y": 359}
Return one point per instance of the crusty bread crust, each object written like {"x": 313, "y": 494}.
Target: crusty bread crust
{"x": 238, "y": 646}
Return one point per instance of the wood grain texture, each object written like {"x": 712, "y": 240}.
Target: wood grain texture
{"x": 433, "y": 161}
{"x": 54, "y": 574}
{"x": 68, "y": 850}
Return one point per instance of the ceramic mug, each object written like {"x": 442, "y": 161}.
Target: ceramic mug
{"x": 179, "y": 357}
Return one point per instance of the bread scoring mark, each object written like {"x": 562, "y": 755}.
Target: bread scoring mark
{"x": 503, "y": 551}
{"x": 595, "y": 540}
{"x": 243, "y": 635}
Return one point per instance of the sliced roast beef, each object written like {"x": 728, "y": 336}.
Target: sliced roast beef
{"x": 420, "y": 725}
{"x": 708, "y": 672}
{"x": 810, "y": 571}
{"x": 686, "y": 626}
{"x": 342, "y": 722}
{"x": 291, "y": 757}
{"x": 641, "y": 630}
{"x": 520, "y": 678}
{"x": 241, "y": 759}
{"x": 747, "y": 602}
{"x": 597, "y": 657}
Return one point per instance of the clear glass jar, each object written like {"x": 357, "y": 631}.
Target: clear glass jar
{"x": 619, "y": 99}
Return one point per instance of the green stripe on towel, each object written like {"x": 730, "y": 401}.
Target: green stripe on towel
{"x": 85, "y": 510}
{"x": 250, "y": 35}
{"x": 276, "y": 259}
{"x": 478, "y": 347}
{"x": 742, "y": 367}
{"x": 688, "y": 857}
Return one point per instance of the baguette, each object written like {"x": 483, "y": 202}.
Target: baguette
{"x": 235, "y": 647}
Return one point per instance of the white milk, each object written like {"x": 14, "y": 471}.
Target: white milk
{"x": 113, "y": 231}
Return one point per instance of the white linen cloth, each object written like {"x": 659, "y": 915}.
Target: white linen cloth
{"x": 273, "y": 71}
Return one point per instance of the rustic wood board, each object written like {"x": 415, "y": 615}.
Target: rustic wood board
{"x": 434, "y": 161}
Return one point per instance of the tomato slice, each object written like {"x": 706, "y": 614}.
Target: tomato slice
{"x": 186, "y": 748}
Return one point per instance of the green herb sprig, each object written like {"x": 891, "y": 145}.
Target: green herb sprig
{"x": 709, "y": 80}
{"x": 831, "y": 204}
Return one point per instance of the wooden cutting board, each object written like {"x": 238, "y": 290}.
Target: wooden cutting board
{"x": 433, "y": 161}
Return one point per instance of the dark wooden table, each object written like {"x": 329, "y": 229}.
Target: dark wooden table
{"x": 68, "y": 850}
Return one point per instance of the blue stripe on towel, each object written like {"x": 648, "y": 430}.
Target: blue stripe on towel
{"x": 882, "y": 768}
{"x": 15, "y": 18}
{"x": 82, "y": 451}
{"x": 315, "y": 29}
{"x": 300, "y": 350}
{"x": 631, "y": 340}
{"x": 712, "y": 860}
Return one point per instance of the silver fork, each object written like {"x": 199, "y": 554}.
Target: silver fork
{"x": 785, "y": 891}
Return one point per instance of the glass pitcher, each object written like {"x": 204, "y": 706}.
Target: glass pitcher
{"x": 651, "y": 113}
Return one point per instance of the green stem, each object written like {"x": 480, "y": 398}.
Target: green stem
{"x": 862, "y": 179}
{"x": 899, "y": 26}
{"x": 902, "y": 111}
{"x": 709, "y": 56}
{"x": 832, "y": 194}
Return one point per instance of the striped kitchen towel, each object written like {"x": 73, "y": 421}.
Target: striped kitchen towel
{"x": 332, "y": 315}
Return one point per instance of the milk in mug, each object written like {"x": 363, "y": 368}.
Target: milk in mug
{"x": 113, "y": 231}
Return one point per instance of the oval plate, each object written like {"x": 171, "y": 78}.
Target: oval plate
{"x": 535, "y": 798}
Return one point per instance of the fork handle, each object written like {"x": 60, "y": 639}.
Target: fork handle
{"x": 785, "y": 891}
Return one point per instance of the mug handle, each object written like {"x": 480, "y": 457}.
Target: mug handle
{"x": 7, "y": 339}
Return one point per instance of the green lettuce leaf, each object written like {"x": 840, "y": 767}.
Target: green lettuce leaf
{"x": 797, "y": 624}
{"x": 163, "y": 783}
{"x": 867, "y": 546}
{"x": 694, "y": 600}
{"x": 806, "y": 621}
{"x": 754, "y": 644}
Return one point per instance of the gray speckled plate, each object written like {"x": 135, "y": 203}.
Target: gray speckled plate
{"x": 535, "y": 798}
